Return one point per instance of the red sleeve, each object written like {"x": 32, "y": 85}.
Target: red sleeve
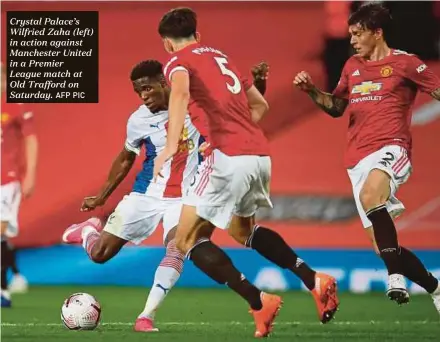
{"x": 341, "y": 89}
{"x": 174, "y": 64}
{"x": 199, "y": 120}
{"x": 26, "y": 118}
{"x": 419, "y": 73}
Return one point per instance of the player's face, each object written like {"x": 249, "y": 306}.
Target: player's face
{"x": 363, "y": 41}
{"x": 153, "y": 92}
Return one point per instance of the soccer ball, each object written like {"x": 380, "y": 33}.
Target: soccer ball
{"x": 81, "y": 311}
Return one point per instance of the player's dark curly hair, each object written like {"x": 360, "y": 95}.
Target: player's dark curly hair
{"x": 149, "y": 68}
{"x": 178, "y": 23}
{"x": 372, "y": 16}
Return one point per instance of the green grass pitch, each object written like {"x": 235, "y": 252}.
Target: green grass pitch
{"x": 218, "y": 315}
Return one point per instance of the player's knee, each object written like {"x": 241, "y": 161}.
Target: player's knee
{"x": 370, "y": 197}
{"x": 99, "y": 254}
{"x": 240, "y": 236}
{"x": 184, "y": 243}
{"x": 241, "y": 228}
{"x": 376, "y": 189}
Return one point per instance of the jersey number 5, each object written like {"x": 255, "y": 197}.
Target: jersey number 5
{"x": 236, "y": 87}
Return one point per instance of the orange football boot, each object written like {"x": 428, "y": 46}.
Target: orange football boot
{"x": 266, "y": 315}
{"x": 326, "y": 297}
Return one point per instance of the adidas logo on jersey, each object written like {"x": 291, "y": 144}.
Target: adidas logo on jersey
{"x": 421, "y": 68}
{"x": 356, "y": 73}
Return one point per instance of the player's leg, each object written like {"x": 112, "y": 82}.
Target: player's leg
{"x": 14, "y": 267}
{"x": 213, "y": 197}
{"x": 414, "y": 270}
{"x": 377, "y": 219}
{"x": 272, "y": 246}
{"x": 5, "y": 264}
{"x": 99, "y": 245}
{"x": 134, "y": 219}
{"x": 10, "y": 203}
{"x": 194, "y": 239}
{"x": 380, "y": 175}
{"x": 102, "y": 246}
{"x": 18, "y": 283}
{"x": 167, "y": 273}
{"x": 373, "y": 196}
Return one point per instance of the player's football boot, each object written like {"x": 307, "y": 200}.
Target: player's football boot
{"x": 436, "y": 298}
{"x": 266, "y": 315}
{"x": 144, "y": 324}
{"x": 6, "y": 300}
{"x": 397, "y": 289}
{"x": 18, "y": 284}
{"x": 326, "y": 296}
{"x": 73, "y": 234}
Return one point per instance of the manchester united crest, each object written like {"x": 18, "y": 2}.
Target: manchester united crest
{"x": 386, "y": 71}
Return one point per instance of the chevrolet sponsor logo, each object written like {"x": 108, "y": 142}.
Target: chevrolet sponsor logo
{"x": 366, "y": 88}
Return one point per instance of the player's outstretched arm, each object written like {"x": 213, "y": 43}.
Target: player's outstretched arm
{"x": 329, "y": 103}
{"x": 120, "y": 168}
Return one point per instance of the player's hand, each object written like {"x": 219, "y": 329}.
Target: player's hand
{"x": 205, "y": 149}
{"x": 303, "y": 81}
{"x": 260, "y": 71}
{"x": 28, "y": 186}
{"x": 91, "y": 203}
{"x": 160, "y": 160}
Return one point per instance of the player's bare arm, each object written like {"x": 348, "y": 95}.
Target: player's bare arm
{"x": 31, "y": 150}
{"x": 177, "y": 108}
{"x": 332, "y": 105}
{"x": 436, "y": 94}
{"x": 257, "y": 104}
{"x": 260, "y": 73}
{"x": 120, "y": 168}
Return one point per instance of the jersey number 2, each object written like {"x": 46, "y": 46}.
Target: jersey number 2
{"x": 236, "y": 87}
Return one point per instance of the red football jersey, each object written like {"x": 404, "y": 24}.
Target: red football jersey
{"x": 199, "y": 120}
{"x": 381, "y": 95}
{"x": 16, "y": 124}
{"x": 217, "y": 87}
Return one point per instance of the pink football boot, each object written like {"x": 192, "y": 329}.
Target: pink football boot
{"x": 144, "y": 324}
{"x": 73, "y": 234}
